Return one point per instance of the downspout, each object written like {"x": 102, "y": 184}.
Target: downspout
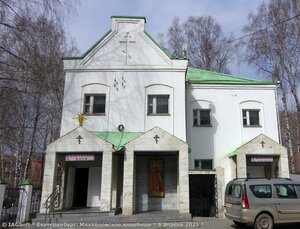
{"x": 277, "y": 111}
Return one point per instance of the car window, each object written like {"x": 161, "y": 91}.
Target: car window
{"x": 285, "y": 191}
{"x": 234, "y": 190}
{"x": 229, "y": 192}
{"x": 237, "y": 191}
{"x": 261, "y": 191}
{"x": 297, "y": 187}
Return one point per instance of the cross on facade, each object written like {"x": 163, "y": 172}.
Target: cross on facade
{"x": 79, "y": 139}
{"x": 262, "y": 144}
{"x": 127, "y": 41}
{"x": 156, "y": 137}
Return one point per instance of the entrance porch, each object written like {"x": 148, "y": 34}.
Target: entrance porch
{"x": 156, "y": 173}
{"x": 260, "y": 158}
{"x": 78, "y": 173}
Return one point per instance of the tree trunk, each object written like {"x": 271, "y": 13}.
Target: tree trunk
{"x": 288, "y": 131}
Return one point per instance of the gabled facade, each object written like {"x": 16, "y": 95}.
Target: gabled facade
{"x": 156, "y": 134}
{"x": 124, "y": 69}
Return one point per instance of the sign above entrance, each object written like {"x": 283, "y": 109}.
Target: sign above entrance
{"x": 261, "y": 159}
{"x": 80, "y": 157}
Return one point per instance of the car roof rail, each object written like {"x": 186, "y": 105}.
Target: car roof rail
{"x": 266, "y": 178}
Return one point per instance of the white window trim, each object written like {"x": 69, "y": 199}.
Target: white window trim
{"x": 91, "y": 104}
{"x": 199, "y": 162}
{"x": 154, "y": 104}
{"x": 248, "y": 117}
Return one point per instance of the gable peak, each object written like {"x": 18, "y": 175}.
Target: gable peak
{"x": 128, "y": 23}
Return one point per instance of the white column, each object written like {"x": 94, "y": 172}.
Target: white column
{"x": 283, "y": 165}
{"x": 24, "y": 202}
{"x": 220, "y": 189}
{"x": 106, "y": 181}
{"x": 241, "y": 165}
{"x": 128, "y": 182}
{"x": 2, "y": 192}
{"x": 184, "y": 199}
{"x": 48, "y": 179}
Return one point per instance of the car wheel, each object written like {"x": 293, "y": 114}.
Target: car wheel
{"x": 263, "y": 221}
{"x": 239, "y": 223}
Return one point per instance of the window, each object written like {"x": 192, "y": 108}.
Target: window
{"x": 203, "y": 164}
{"x": 285, "y": 191}
{"x": 201, "y": 117}
{"x": 158, "y": 104}
{"x": 261, "y": 191}
{"x": 94, "y": 104}
{"x": 251, "y": 117}
{"x": 235, "y": 191}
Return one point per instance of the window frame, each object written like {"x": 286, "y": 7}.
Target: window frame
{"x": 154, "y": 105}
{"x": 91, "y": 104}
{"x": 197, "y": 117}
{"x": 199, "y": 161}
{"x": 232, "y": 191}
{"x": 286, "y": 197}
{"x": 247, "y": 118}
{"x": 256, "y": 194}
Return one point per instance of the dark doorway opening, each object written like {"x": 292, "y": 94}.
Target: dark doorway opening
{"x": 202, "y": 195}
{"x": 80, "y": 187}
{"x": 120, "y": 172}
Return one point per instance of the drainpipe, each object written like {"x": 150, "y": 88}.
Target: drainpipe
{"x": 277, "y": 111}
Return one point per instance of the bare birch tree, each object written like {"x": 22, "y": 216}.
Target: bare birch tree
{"x": 32, "y": 44}
{"x": 207, "y": 47}
{"x": 273, "y": 46}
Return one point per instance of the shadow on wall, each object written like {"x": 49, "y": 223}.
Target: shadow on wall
{"x": 201, "y": 136}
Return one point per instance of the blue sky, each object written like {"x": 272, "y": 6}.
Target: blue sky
{"x": 93, "y": 18}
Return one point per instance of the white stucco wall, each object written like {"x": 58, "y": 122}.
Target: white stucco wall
{"x": 227, "y": 132}
{"x": 126, "y": 74}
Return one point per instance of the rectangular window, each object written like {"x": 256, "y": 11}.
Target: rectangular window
{"x": 201, "y": 117}
{"x": 203, "y": 164}
{"x": 261, "y": 191}
{"x": 94, "y": 104}
{"x": 251, "y": 118}
{"x": 158, "y": 104}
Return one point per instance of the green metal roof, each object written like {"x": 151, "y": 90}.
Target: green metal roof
{"x": 97, "y": 42}
{"x": 199, "y": 76}
{"x": 89, "y": 50}
{"x": 118, "y": 139}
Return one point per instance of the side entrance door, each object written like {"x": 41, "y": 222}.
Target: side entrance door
{"x": 94, "y": 187}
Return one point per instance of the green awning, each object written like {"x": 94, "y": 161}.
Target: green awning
{"x": 200, "y": 76}
{"x": 232, "y": 153}
{"x": 118, "y": 139}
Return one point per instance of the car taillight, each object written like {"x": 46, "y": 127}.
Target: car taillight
{"x": 245, "y": 203}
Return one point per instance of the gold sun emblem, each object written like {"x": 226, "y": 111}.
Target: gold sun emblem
{"x": 80, "y": 117}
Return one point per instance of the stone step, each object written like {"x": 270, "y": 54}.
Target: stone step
{"x": 108, "y": 217}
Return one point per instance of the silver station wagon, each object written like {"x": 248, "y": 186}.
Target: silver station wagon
{"x": 262, "y": 202}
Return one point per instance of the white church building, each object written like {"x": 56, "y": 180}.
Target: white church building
{"x": 156, "y": 134}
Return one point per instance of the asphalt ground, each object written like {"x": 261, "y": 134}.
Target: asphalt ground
{"x": 197, "y": 222}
